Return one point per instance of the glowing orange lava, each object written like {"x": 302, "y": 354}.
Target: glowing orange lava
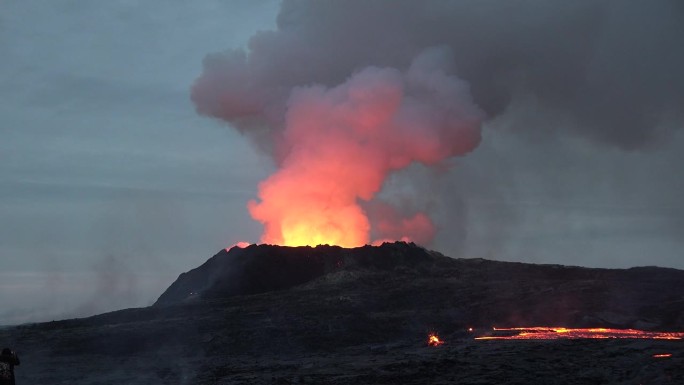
{"x": 555, "y": 333}
{"x": 433, "y": 340}
{"x": 240, "y": 245}
{"x": 662, "y": 355}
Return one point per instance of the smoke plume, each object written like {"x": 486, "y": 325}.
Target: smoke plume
{"x": 343, "y": 93}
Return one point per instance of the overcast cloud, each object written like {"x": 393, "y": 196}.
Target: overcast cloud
{"x": 105, "y": 168}
{"x": 112, "y": 184}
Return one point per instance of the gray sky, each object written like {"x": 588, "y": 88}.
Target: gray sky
{"x": 111, "y": 184}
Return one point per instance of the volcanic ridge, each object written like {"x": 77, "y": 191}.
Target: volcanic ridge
{"x": 485, "y": 292}
{"x": 327, "y": 314}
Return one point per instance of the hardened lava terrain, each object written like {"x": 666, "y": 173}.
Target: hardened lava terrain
{"x": 330, "y": 315}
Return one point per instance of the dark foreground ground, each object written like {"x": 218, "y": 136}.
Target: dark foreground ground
{"x": 367, "y": 323}
{"x": 459, "y": 362}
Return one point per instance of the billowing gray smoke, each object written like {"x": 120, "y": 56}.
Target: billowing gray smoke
{"x": 609, "y": 72}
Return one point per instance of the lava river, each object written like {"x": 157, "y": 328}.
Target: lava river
{"x": 555, "y": 333}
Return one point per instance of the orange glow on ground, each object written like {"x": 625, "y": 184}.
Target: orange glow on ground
{"x": 662, "y": 355}
{"x": 555, "y": 333}
{"x": 433, "y": 340}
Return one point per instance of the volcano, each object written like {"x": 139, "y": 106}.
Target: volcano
{"x": 484, "y": 292}
{"x": 327, "y": 314}
{"x": 262, "y": 268}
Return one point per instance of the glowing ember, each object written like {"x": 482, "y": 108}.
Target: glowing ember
{"x": 240, "y": 245}
{"x": 433, "y": 340}
{"x": 555, "y": 333}
{"x": 662, "y": 355}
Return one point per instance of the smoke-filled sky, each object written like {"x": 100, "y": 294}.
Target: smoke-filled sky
{"x": 134, "y": 134}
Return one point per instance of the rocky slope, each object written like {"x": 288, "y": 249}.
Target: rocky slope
{"x": 483, "y": 292}
{"x": 269, "y": 314}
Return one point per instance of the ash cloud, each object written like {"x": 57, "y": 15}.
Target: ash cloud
{"x": 602, "y": 72}
{"x": 609, "y": 71}
{"x": 339, "y": 145}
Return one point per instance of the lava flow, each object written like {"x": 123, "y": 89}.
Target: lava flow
{"x": 433, "y": 340}
{"x": 555, "y": 333}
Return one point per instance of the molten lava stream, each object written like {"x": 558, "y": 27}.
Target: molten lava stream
{"x": 555, "y": 333}
{"x": 433, "y": 340}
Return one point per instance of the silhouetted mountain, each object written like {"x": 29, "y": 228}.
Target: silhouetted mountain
{"x": 326, "y": 314}
{"x": 262, "y": 268}
{"x": 485, "y": 292}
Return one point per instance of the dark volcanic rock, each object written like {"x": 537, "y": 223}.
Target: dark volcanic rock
{"x": 482, "y": 292}
{"x": 262, "y": 268}
{"x": 270, "y": 314}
